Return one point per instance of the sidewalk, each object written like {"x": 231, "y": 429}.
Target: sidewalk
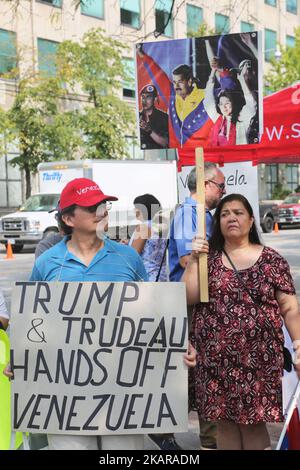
{"x": 190, "y": 440}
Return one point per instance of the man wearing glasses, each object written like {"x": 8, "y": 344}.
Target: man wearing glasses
{"x": 86, "y": 254}
{"x": 182, "y": 231}
{"x": 184, "y": 226}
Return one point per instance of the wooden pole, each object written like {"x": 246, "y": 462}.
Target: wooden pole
{"x": 203, "y": 274}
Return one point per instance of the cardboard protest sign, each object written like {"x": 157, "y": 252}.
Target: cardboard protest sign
{"x": 200, "y": 92}
{"x": 99, "y": 358}
{"x": 239, "y": 177}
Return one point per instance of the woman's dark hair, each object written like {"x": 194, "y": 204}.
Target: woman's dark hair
{"x": 69, "y": 211}
{"x": 237, "y": 101}
{"x": 216, "y": 241}
{"x": 148, "y": 205}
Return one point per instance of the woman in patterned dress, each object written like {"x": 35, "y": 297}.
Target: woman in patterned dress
{"x": 238, "y": 334}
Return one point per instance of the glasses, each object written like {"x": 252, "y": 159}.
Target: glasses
{"x": 221, "y": 186}
{"x": 99, "y": 208}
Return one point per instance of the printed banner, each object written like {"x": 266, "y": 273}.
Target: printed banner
{"x": 200, "y": 92}
{"x": 280, "y": 142}
{"x": 99, "y": 358}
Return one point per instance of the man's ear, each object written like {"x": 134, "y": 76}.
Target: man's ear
{"x": 190, "y": 82}
{"x": 68, "y": 220}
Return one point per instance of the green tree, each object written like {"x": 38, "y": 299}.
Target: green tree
{"x": 40, "y": 123}
{"x": 96, "y": 65}
{"x": 286, "y": 70}
{"x": 41, "y": 129}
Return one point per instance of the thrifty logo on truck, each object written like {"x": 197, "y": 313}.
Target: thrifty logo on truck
{"x": 54, "y": 176}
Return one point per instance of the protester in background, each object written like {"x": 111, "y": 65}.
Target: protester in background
{"x": 238, "y": 334}
{"x": 183, "y": 229}
{"x": 184, "y": 226}
{"x": 152, "y": 248}
{"x": 148, "y": 239}
{"x": 50, "y": 240}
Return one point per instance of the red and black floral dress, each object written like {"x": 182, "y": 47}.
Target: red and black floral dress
{"x": 240, "y": 359}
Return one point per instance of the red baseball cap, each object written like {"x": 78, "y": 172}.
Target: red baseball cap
{"x": 83, "y": 192}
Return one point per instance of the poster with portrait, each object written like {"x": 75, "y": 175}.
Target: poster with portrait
{"x": 200, "y": 92}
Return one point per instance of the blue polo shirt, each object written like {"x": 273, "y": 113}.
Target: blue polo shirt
{"x": 114, "y": 262}
{"x": 183, "y": 230}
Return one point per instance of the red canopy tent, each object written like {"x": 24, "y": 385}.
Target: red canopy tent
{"x": 280, "y": 142}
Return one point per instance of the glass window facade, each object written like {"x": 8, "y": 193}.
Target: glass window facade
{"x": 273, "y": 3}
{"x": 290, "y": 41}
{"x": 162, "y": 12}
{"x": 10, "y": 183}
{"x": 194, "y": 17}
{"x": 129, "y": 86}
{"x": 292, "y": 176}
{"x": 93, "y": 8}
{"x": 46, "y": 56}
{"x": 55, "y": 3}
{"x": 270, "y": 44}
{"x": 271, "y": 172}
{"x": 130, "y": 12}
{"x": 8, "y": 52}
{"x": 292, "y": 6}
{"x": 133, "y": 148}
{"x": 246, "y": 27}
{"x": 222, "y": 23}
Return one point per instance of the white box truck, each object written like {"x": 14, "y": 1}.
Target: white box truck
{"x": 125, "y": 179}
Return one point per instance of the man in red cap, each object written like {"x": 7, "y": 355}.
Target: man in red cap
{"x": 86, "y": 254}
{"x": 153, "y": 121}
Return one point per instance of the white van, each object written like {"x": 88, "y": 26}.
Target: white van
{"x": 125, "y": 179}
{"x": 31, "y": 222}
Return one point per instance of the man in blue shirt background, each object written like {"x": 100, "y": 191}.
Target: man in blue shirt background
{"x": 184, "y": 226}
{"x": 183, "y": 230}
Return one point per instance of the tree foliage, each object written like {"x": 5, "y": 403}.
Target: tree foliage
{"x": 96, "y": 66}
{"x": 42, "y": 130}
{"x": 286, "y": 70}
{"x": 46, "y": 128}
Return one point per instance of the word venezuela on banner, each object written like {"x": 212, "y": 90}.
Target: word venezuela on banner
{"x": 99, "y": 358}
{"x": 280, "y": 142}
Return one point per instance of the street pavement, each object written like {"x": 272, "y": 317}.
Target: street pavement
{"x": 286, "y": 242}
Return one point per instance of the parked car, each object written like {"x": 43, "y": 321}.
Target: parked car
{"x": 31, "y": 222}
{"x": 289, "y": 210}
{"x": 268, "y": 213}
